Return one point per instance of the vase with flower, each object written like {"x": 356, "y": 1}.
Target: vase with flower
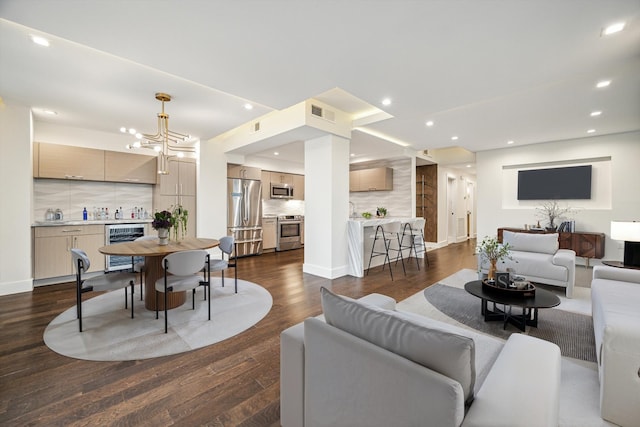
{"x": 163, "y": 221}
{"x": 493, "y": 251}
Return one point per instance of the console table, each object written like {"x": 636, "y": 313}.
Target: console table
{"x": 584, "y": 244}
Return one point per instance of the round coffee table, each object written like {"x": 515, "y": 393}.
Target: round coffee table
{"x": 529, "y": 305}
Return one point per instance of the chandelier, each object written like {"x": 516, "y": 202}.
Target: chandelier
{"x": 166, "y": 142}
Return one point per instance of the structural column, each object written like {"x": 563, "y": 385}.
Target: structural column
{"x": 326, "y": 206}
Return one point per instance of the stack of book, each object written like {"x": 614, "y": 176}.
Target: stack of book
{"x": 567, "y": 227}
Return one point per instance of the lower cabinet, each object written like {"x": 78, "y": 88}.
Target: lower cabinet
{"x": 269, "y": 233}
{"x": 52, "y": 249}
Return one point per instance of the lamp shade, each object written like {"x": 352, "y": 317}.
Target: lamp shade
{"x": 629, "y": 231}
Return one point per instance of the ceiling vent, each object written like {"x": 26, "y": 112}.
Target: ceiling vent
{"x": 256, "y": 126}
{"x": 325, "y": 114}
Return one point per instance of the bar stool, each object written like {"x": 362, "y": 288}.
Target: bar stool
{"x": 387, "y": 233}
{"x": 414, "y": 229}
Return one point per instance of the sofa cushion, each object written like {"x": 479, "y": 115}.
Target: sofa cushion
{"x": 541, "y": 243}
{"x": 447, "y": 353}
{"x": 532, "y": 264}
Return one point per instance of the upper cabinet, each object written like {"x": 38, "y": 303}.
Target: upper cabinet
{"x": 68, "y": 162}
{"x": 281, "y": 178}
{"x": 294, "y": 180}
{"x": 89, "y": 164}
{"x": 245, "y": 172}
{"x": 298, "y": 187}
{"x": 375, "y": 179}
{"x": 132, "y": 168}
{"x": 181, "y": 179}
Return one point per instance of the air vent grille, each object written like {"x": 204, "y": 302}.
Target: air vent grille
{"x": 256, "y": 126}
{"x": 316, "y": 111}
{"x": 325, "y": 114}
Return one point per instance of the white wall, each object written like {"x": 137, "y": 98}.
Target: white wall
{"x": 17, "y": 197}
{"x": 497, "y": 209}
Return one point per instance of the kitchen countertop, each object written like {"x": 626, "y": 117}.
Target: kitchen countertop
{"x": 97, "y": 222}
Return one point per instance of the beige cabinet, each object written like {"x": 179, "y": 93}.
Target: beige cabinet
{"x": 178, "y": 188}
{"x": 68, "y": 162}
{"x": 281, "y": 178}
{"x": 374, "y": 179}
{"x": 245, "y": 172}
{"x": 298, "y": 187}
{"x": 269, "y": 233}
{"x": 131, "y": 168}
{"x": 265, "y": 177}
{"x": 52, "y": 249}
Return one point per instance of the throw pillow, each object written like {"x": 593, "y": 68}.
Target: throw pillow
{"x": 447, "y": 353}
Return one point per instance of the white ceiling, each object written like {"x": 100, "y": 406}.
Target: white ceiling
{"x": 486, "y": 71}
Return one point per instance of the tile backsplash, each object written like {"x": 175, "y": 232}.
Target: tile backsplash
{"x": 73, "y": 196}
{"x": 282, "y": 207}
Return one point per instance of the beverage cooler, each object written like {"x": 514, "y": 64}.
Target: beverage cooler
{"x": 118, "y": 233}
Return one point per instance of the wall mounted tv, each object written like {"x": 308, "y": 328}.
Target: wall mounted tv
{"x": 555, "y": 183}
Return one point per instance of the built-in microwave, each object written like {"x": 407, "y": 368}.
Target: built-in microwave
{"x": 281, "y": 191}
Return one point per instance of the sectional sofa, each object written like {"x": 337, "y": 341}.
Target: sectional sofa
{"x": 366, "y": 364}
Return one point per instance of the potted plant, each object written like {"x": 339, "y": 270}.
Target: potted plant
{"x": 493, "y": 251}
{"x": 180, "y": 218}
{"x": 163, "y": 221}
{"x": 381, "y": 212}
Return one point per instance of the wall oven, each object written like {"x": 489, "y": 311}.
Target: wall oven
{"x": 281, "y": 191}
{"x": 118, "y": 233}
{"x": 289, "y": 232}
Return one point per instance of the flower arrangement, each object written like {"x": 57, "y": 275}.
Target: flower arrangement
{"x": 162, "y": 220}
{"x": 180, "y": 218}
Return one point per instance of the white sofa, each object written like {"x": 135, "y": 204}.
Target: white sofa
{"x": 537, "y": 258}
{"x": 615, "y": 299}
{"x": 370, "y": 365}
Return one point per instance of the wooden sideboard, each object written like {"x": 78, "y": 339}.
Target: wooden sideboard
{"x": 586, "y": 245}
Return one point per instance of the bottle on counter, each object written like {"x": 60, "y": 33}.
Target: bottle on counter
{"x": 106, "y": 213}
{"x": 84, "y": 214}
{"x": 117, "y": 214}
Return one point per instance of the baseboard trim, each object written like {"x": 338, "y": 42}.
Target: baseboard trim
{"x": 9, "y": 288}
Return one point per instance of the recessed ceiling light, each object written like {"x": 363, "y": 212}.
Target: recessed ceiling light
{"x": 603, "y": 83}
{"x": 429, "y": 123}
{"x": 41, "y": 41}
{"x": 248, "y": 106}
{"x": 591, "y": 131}
{"x": 595, "y": 113}
{"x": 386, "y": 101}
{"x": 275, "y": 153}
{"x": 509, "y": 142}
{"x": 613, "y": 28}
{"x": 454, "y": 138}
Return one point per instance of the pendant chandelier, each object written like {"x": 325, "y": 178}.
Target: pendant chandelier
{"x": 166, "y": 142}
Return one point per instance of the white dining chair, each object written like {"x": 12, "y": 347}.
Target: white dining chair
{"x": 104, "y": 282}
{"x": 227, "y": 247}
{"x": 182, "y": 271}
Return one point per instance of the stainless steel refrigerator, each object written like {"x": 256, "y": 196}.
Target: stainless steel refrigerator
{"x": 244, "y": 218}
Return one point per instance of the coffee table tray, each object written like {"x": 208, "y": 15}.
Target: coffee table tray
{"x": 527, "y": 292}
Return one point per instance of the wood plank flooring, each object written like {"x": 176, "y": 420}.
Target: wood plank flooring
{"x": 232, "y": 383}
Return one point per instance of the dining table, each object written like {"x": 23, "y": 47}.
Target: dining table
{"x": 153, "y": 254}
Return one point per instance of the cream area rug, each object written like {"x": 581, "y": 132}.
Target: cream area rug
{"x": 579, "y": 384}
{"x": 110, "y": 334}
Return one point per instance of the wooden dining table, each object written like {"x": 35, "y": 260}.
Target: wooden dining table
{"x": 153, "y": 269}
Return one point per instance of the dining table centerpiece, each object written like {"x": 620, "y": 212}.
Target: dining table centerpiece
{"x": 493, "y": 251}
{"x": 180, "y": 218}
{"x": 162, "y": 222}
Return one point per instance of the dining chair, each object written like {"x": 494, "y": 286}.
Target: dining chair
{"x": 104, "y": 282}
{"x": 227, "y": 246}
{"x": 138, "y": 267}
{"x": 181, "y": 273}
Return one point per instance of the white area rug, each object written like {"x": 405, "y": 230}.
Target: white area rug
{"x": 579, "y": 385}
{"x": 109, "y": 332}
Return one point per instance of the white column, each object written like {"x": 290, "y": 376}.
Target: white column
{"x": 326, "y": 206}
{"x": 17, "y": 198}
{"x": 212, "y": 191}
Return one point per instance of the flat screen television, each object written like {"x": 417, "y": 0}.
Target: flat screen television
{"x": 572, "y": 182}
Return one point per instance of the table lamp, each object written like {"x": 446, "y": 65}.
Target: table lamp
{"x": 629, "y": 231}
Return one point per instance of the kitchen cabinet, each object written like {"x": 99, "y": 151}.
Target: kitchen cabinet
{"x": 53, "y": 244}
{"x": 281, "y": 178}
{"x": 298, "y": 187}
{"x": 245, "y": 172}
{"x": 374, "y": 179}
{"x": 265, "y": 177}
{"x": 269, "y": 233}
{"x": 68, "y": 162}
{"x": 178, "y": 187}
{"x": 130, "y": 168}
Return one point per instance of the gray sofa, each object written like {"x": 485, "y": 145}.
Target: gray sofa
{"x": 537, "y": 258}
{"x": 370, "y": 365}
{"x": 615, "y": 305}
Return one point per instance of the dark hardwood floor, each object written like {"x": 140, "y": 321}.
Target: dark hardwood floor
{"x": 232, "y": 383}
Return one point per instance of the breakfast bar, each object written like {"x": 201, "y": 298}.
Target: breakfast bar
{"x": 360, "y": 237}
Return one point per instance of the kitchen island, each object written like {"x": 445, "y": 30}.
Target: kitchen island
{"x": 360, "y": 237}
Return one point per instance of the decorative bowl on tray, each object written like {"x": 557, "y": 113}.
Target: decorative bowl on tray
{"x": 523, "y": 289}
